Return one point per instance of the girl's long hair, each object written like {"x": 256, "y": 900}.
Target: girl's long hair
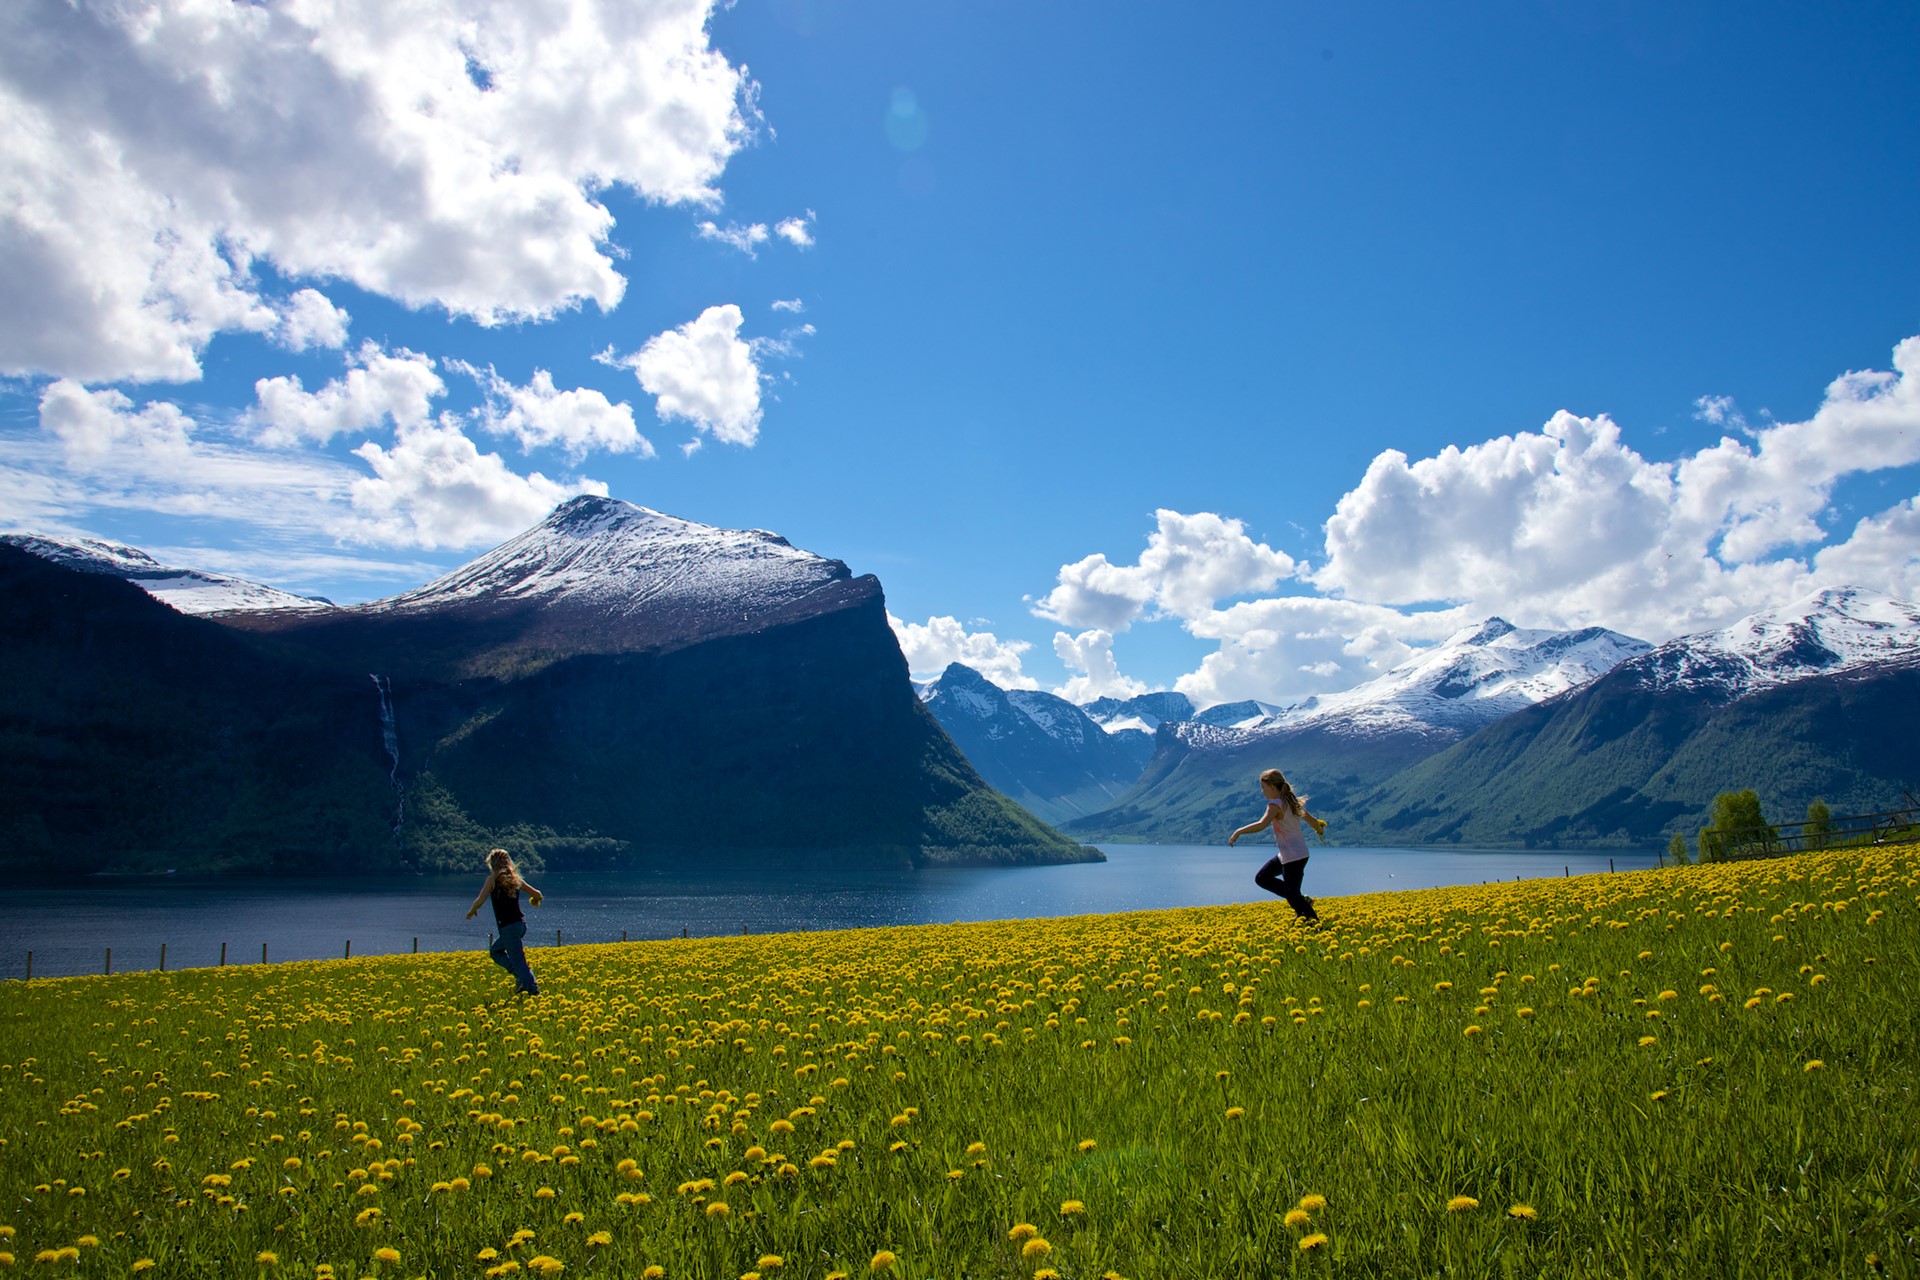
{"x": 504, "y": 874}
{"x": 1297, "y": 804}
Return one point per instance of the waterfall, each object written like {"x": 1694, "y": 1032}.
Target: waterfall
{"x": 392, "y": 741}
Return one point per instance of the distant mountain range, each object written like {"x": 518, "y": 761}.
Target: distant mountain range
{"x": 1501, "y": 736}
{"x": 612, "y": 687}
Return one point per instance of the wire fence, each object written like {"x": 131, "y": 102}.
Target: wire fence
{"x": 66, "y": 960}
{"x": 1780, "y": 838}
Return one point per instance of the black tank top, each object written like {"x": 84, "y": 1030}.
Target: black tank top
{"x": 506, "y": 905}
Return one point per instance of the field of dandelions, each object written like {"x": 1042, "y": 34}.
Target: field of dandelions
{"x": 1701, "y": 1071}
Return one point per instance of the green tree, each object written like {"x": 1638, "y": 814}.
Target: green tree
{"x": 1819, "y": 824}
{"x": 1736, "y": 828}
{"x": 1677, "y": 849}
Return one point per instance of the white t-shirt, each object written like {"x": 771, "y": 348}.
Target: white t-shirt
{"x": 1292, "y": 841}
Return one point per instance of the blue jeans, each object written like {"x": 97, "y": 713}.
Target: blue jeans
{"x": 509, "y": 952}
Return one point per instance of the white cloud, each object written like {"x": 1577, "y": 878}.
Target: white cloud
{"x": 103, "y": 426}
{"x": 434, "y": 489}
{"x": 538, "y": 414}
{"x": 1569, "y": 526}
{"x": 1190, "y": 562}
{"x": 378, "y": 387}
{"x": 439, "y": 152}
{"x": 929, "y": 648}
{"x": 1091, "y": 654}
{"x": 797, "y": 232}
{"x": 96, "y": 452}
{"x": 703, "y": 373}
{"x": 309, "y": 319}
{"x": 789, "y": 304}
{"x": 747, "y": 239}
{"x": 1284, "y": 648}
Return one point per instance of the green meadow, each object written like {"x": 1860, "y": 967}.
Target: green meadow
{"x": 1701, "y": 1071}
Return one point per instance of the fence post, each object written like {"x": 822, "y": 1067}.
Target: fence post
{"x": 1609, "y": 864}
{"x": 416, "y": 944}
{"x": 223, "y": 955}
{"x": 109, "y": 959}
{"x": 263, "y": 953}
{"x": 29, "y": 966}
{"x": 556, "y": 937}
{"x": 623, "y": 935}
{"x": 683, "y": 931}
{"x": 163, "y": 957}
{"x": 1566, "y": 870}
{"x": 349, "y": 954}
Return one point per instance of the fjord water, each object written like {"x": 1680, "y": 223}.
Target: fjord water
{"x": 70, "y": 926}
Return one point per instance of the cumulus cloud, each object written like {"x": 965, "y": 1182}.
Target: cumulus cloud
{"x": 97, "y": 451}
{"x": 378, "y": 387}
{"x": 539, "y": 414}
{"x": 309, "y": 319}
{"x": 797, "y": 232}
{"x": 932, "y": 646}
{"x": 1569, "y": 526}
{"x": 434, "y": 489}
{"x": 789, "y": 304}
{"x": 1280, "y": 649}
{"x": 1091, "y": 655}
{"x": 98, "y": 426}
{"x": 747, "y": 239}
{"x": 1190, "y": 562}
{"x": 443, "y": 153}
{"x": 702, "y": 372}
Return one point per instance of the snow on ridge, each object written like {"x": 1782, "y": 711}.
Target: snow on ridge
{"x": 1474, "y": 677}
{"x": 191, "y": 591}
{"x": 626, "y": 558}
{"x": 1832, "y": 631}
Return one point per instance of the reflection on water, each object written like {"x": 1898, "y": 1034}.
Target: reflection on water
{"x": 70, "y": 927}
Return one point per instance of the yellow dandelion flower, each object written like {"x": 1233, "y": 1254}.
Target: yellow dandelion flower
{"x": 718, "y": 1209}
{"x": 1087, "y": 1144}
{"x": 387, "y": 1255}
{"x": 655, "y": 1272}
{"x": 143, "y": 1265}
{"x": 1318, "y": 1240}
{"x": 572, "y": 1218}
{"x": 1462, "y": 1204}
{"x": 1022, "y": 1231}
{"x": 976, "y": 1148}
{"x": 1658, "y": 1095}
{"x": 1649, "y": 1040}
{"x": 1525, "y": 1212}
{"x": 1297, "y": 1218}
{"x": 267, "y": 1258}
{"x": 954, "y": 1175}
{"x": 1313, "y": 1203}
{"x": 1072, "y": 1209}
{"x": 1813, "y": 1064}
{"x": 771, "y": 1262}
{"x": 1471, "y": 1032}
{"x": 882, "y": 1261}
{"x": 1234, "y": 1113}
{"x": 1036, "y": 1248}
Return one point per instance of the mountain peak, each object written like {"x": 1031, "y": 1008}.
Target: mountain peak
{"x": 1490, "y": 630}
{"x": 1833, "y": 630}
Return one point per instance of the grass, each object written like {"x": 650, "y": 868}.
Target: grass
{"x": 1689, "y": 1072}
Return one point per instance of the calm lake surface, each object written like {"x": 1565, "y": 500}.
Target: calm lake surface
{"x": 69, "y": 927}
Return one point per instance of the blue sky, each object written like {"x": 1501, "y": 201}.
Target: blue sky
{"x": 1217, "y": 348}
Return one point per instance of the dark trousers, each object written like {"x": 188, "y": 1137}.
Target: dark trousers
{"x": 1283, "y": 878}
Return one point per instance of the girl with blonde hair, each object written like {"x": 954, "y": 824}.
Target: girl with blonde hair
{"x": 508, "y": 948}
{"x": 1285, "y": 813}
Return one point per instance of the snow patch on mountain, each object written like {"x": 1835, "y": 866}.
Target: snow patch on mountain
{"x": 626, "y": 560}
{"x": 190, "y": 591}
{"x": 1834, "y": 631}
{"x": 1471, "y": 679}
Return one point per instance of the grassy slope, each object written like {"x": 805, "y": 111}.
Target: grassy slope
{"x": 1701, "y": 1071}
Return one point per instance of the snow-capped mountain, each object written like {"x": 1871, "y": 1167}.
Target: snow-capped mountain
{"x": 1035, "y": 747}
{"x": 1472, "y": 678}
{"x": 191, "y": 591}
{"x": 1830, "y": 632}
{"x": 1146, "y": 711}
{"x": 627, "y": 560}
